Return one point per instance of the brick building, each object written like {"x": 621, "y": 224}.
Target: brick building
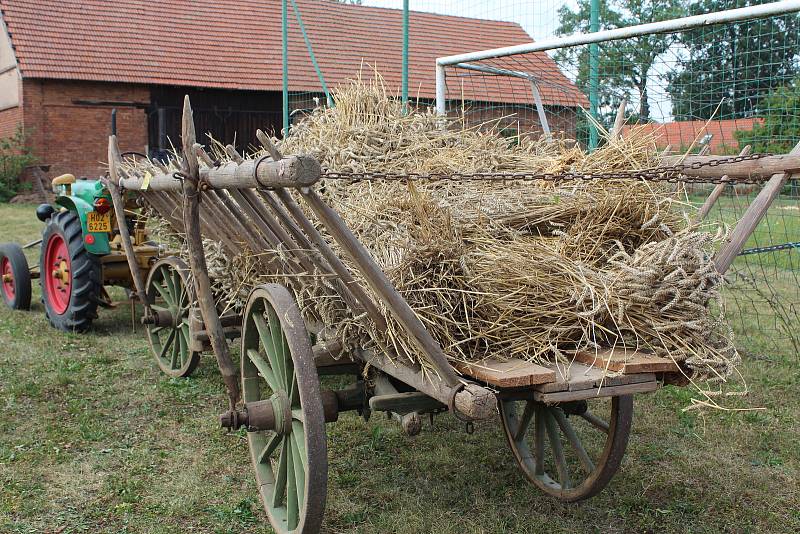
{"x": 718, "y": 135}
{"x": 65, "y": 64}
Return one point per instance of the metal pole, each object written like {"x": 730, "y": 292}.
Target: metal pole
{"x": 441, "y": 97}
{"x": 666, "y": 26}
{"x": 594, "y": 72}
{"x": 405, "y": 54}
{"x": 299, "y": 18}
{"x": 285, "y": 55}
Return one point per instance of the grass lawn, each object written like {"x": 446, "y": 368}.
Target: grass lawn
{"x": 94, "y": 438}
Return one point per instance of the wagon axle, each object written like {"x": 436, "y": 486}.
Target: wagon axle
{"x": 275, "y": 413}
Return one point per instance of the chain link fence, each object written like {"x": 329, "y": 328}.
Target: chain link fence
{"x": 713, "y": 89}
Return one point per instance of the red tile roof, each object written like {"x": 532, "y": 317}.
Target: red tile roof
{"x": 236, "y": 44}
{"x": 681, "y": 134}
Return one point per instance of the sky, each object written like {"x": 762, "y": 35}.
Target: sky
{"x": 538, "y": 17}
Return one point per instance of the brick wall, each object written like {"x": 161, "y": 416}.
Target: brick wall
{"x": 524, "y": 120}
{"x": 9, "y": 119}
{"x": 68, "y": 123}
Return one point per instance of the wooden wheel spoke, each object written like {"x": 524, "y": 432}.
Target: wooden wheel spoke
{"x": 299, "y": 472}
{"x": 265, "y": 335}
{"x": 280, "y": 477}
{"x": 558, "y": 452}
{"x": 292, "y": 504}
{"x": 166, "y": 278}
{"x": 159, "y": 308}
{"x": 539, "y": 440}
{"x": 176, "y": 349}
{"x": 163, "y": 292}
{"x": 167, "y": 344}
{"x": 282, "y": 351}
{"x": 184, "y": 344}
{"x": 157, "y": 330}
{"x": 574, "y": 440}
{"x": 297, "y": 415}
{"x": 298, "y": 433}
{"x": 263, "y": 368}
{"x": 177, "y": 283}
{"x": 595, "y": 421}
{"x": 525, "y": 420}
{"x": 269, "y": 448}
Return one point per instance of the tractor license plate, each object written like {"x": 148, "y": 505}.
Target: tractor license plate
{"x": 96, "y": 222}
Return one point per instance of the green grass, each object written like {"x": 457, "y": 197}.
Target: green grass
{"x": 93, "y": 438}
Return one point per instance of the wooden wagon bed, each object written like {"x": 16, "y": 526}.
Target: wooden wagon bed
{"x": 608, "y": 372}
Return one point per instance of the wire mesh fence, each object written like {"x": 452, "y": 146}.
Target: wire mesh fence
{"x": 713, "y": 89}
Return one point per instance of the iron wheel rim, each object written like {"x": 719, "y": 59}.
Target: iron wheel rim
{"x": 280, "y": 460}
{"x": 169, "y": 281}
{"x": 550, "y": 428}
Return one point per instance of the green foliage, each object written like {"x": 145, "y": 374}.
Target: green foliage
{"x": 14, "y": 157}
{"x": 780, "y": 131}
{"x": 735, "y": 64}
{"x": 624, "y": 65}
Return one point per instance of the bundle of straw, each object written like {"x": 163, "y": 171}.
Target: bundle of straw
{"x": 526, "y": 269}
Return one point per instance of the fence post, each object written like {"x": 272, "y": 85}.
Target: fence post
{"x": 405, "y": 54}
{"x": 285, "y": 56}
{"x": 594, "y": 67}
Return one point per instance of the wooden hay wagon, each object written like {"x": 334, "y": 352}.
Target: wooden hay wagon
{"x": 567, "y": 431}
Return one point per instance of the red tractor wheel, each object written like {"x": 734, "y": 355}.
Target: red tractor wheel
{"x": 16, "y": 281}
{"x": 70, "y": 276}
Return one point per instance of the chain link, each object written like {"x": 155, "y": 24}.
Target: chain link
{"x": 773, "y": 248}
{"x": 668, "y": 173}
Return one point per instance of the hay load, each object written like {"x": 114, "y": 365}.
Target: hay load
{"x": 518, "y": 268}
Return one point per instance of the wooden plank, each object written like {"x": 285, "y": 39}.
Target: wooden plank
{"x": 578, "y": 376}
{"x": 510, "y": 374}
{"x": 627, "y": 361}
{"x": 403, "y": 403}
{"x": 594, "y": 393}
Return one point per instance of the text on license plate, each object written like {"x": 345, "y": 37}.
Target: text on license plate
{"x": 96, "y": 222}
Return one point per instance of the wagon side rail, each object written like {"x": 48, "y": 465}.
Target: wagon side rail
{"x": 246, "y": 203}
{"x": 256, "y": 210}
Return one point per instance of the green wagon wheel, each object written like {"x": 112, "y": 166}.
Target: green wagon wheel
{"x": 171, "y": 294}
{"x": 290, "y": 462}
{"x": 569, "y": 461}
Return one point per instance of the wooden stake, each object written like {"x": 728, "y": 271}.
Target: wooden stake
{"x": 619, "y": 122}
{"x": 716, "y": 193}
{"x": 114, "y": 159}
{"x": 197, "y": 258}
{"x": 755, "y": 212}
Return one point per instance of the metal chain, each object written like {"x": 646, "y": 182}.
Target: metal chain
{"x": 773, "y": 248}
{"x": 668, "y": 173}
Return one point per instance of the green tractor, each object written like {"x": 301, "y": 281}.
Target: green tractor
{"x": 81, "y": 253}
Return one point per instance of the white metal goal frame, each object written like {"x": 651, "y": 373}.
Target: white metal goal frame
{"x": 467, "y": 61}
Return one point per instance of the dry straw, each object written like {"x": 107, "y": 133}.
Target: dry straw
{"x": 532, "y": 270}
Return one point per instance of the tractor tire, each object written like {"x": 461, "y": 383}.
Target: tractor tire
{"x": 70, "y": 276}
{"x": 16, "y": 283}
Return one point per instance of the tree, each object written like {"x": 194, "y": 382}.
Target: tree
{"x": 780, "y": 131}
{"x": 733, "y": 66}
{"x": 626, "y": 65}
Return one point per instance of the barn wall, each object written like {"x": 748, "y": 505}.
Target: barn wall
{"x": 68, "y": 123}
{"x": 9, "y": 120}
